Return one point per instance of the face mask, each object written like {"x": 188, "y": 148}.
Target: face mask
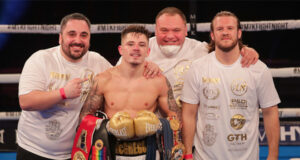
{"x": 170, "y": 50}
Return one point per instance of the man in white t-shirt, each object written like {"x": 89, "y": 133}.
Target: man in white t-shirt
{"x": 53, "y": 86}
{"x": 221, "y": 100}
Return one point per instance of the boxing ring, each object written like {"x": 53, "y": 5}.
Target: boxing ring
{"x": 289, "y": 116}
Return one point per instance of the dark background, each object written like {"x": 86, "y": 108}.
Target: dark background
{"x": 276, "y": 48}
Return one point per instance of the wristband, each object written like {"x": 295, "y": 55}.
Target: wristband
{"x": 62, "y": 93}
{"x": 188, "y": 156}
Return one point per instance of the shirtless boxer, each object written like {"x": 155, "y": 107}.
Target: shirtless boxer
{"x": 124, "y": 88}
{"x": 123, "y": 91}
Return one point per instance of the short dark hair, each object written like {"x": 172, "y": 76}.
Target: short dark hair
{"x": 171, "y": 11}
{"x": 136, "y": 29}
{"x": 211, "y": 45}
{"x": 72, "y": 16}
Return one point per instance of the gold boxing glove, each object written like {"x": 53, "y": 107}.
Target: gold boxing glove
{"x": 145, "y": 123}
{"x": 121, "y": 126}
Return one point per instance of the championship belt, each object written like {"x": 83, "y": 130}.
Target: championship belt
{"x": 175, "y": 127}
{"x": 169, "y": 141}
{"x": 83, "y": 138}
{"x": 92, "y": 141}
{"x": 103, "y": 144}
{"x": 178, "y": 149}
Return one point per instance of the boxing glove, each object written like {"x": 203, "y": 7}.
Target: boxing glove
{"x": 146, "y": 123}
{"x": 121, "y": 126}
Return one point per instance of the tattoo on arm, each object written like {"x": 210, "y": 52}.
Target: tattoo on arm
{"x": 93, "y": 102}
{"x": 171, "y": 100}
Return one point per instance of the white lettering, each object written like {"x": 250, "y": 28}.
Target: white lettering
{"x": 2, "y": 136}
{"x": 150, "y": 128}
{"x": 119, "y": 132}
{"x": 261, "y": 137}
{"x": 291, "y": 133}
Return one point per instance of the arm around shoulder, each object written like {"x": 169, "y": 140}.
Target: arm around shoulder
{"x": 250, "y": 56}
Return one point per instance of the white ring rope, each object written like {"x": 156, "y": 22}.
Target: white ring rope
{"x": 276, "y": 72}
{"x": 285, "y": 72}
{"x": 283, "y": 113}
{"x": 117, "y": 28}
{"x": 9, "y": 78}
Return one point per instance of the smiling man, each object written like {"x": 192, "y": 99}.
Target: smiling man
{"x": 124, "y": 88}
{"x": 53, "y": 86}
{"x": 221, "y": 100}
{"x": 122, "y": 92}
{"x": 74, "y": 44}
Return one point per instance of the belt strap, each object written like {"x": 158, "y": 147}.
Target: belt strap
{"x": 167, "y": 138}
{"x": 151, "y": 148}
{"x": 103, "y": 146}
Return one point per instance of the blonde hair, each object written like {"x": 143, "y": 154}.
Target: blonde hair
{"x": 211, "y": 45}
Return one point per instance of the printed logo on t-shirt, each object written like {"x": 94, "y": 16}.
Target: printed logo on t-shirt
{"x": 211, "y": 80}
{"x": 53, "y": 130}
{"x": 211, "y": 116}
{"x": 239, "y": 87}
{"x": 180, "y": 69}
{"x": 237, "y": 139}
{"x": 238, "y": 104}
{"x": 211, "y": 107}
{"x": 211, "y": 92}
{"x": 209, "y": 135}
{"x": 210, "y": 112}
{"x": 237, "y": 121}
{"x": 62, "y": 76}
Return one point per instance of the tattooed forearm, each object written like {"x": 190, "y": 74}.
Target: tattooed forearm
{"x": 172, "y": 102}
{"x": 93, "y": 102}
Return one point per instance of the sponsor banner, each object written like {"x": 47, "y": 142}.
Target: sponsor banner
{"x": 117, "y": 28}
{"x": 289, "y": 133}
{"x": 8, "y": 130}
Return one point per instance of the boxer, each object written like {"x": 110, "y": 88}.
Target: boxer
{"x": 124, "y": 89}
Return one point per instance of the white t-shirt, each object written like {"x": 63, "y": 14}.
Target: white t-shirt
{"x": 50, "y": 133}
{"x": 228, "y": 113}
{"x": 176, "y": 66}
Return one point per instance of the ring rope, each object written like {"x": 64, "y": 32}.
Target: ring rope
{"x": 283, "y": 113}
{"x": 276, "y": 72}
{"x": 117, "y": 28}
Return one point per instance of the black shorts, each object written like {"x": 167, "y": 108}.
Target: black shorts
{"x": 23, "y": 154}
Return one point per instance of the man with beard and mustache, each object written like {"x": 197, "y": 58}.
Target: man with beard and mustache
{"x": 53, "y": 86}
{"x": 221, "y": 100}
